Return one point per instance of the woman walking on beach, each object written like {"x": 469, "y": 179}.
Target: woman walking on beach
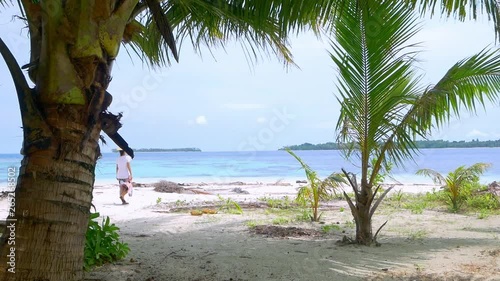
{"x": 124, "y": 174}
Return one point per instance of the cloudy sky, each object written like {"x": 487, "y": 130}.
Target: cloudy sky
{"x": 224, "y": 104}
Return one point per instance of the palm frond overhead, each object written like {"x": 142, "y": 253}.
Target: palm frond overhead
{"x": 261, "y": 26}
{"x": 163, "y": 25}
{"x": 374, "y": 62}
{"x": 5, "y": 3}
{"x": 461, "y": 9}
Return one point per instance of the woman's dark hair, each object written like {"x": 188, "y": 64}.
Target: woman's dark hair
{"x": 122, "y": 152}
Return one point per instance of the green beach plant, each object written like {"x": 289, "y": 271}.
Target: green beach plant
{"x": 457, "y": 183}
{"x": 228, "y": 205}
{"x": 482, "y": 202}
{"x": 316, "y": 189}
{"x": 280, "y": 203}
{"x": 330, "y": 228}
{"x": 383, "y": 106}
{"x": 102, "y": 243}
{"x": 281, "y": 221}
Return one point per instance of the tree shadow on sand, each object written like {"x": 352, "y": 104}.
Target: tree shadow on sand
{"x": 221, "y": 247}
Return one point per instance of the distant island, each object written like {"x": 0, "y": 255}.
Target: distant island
{"x": 188, "y": 149}
{"x": 420, "y": 144}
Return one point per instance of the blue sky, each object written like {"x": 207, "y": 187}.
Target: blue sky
{"x": 224, "y": 104}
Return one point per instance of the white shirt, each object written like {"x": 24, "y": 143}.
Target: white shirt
{"x": 121, "y": 162}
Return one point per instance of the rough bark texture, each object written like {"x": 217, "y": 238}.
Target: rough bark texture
{"x": 363, "y": 221}
{"x": 361, "y": 209}
{"x": 53, "y": 199}
{"x": 362, "y": 218}
{"x": 73, "y": 46}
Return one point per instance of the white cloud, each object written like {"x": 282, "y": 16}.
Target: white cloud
{"x": 201, "y": 120}
{"x": 243, "y": 106}
{"x": 261, "y": 120}
{"x": 477, "y": 133}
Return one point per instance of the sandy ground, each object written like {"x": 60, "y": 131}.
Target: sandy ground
{"x": 169, "y": 245}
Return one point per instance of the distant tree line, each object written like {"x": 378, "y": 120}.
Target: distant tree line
{"x": 188, "y": 149}
{"x": 420, "y": 144}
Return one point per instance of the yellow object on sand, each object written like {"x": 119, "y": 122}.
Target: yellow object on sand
{"x": 196, "y": 213}
{"x": 209, "y": 211}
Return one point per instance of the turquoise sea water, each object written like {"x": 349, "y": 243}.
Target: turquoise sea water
{"x": 271, "y": 166}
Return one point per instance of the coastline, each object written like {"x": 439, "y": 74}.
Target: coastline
{"x": 106, "y": 193}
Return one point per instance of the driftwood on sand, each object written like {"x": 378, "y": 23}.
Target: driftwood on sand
{"x": 494, "y": 188}
{"x": 172, "y": 187}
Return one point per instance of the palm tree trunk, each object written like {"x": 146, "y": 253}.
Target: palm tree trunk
{"x": 71, "y": 56}
{"x": 52, "y": 202}
{"x": 360, "y": 210}
{"x": 364, "y": 235}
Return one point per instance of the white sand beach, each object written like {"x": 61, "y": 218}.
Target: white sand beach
{"x": 168, "y": 245}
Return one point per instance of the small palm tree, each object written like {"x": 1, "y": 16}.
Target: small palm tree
{"x": 455, "y": 181}
{"x": 316, "y": 189}
{"x": 383, "y": 107}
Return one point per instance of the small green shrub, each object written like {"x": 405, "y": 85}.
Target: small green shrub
{"x": 229, "y": 206}
{"x": 305, "y": 215}
{"x": 251, "y": 223}
{"x": 483, "y": 214}
{"x": 416, "y": 206}
{"x": 483, "y": 202}
{"x": 102, "y": 244}
{"x": 280, "y": 221}
{"x": 330, "y": 227}
{"x": 417, "y": 235}
{"x": 158, "y": 200}
{"x": 278, "y": 203}
{"x": 398, "y": 197}
{"x": 349, "y": 224}
{"x": 180, "y": 203}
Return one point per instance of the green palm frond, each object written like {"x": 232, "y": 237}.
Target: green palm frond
{"x": 5, "y": 3}
{"x": 332, "y": 183}
{"x": 461, "y": 9}
{"x": 261, "y": 26}
{"x": 163, "y": 25}
{"x": 436, "y": 177}
{"x": 310, "y": 173}
{"x": 206, "y": 23}
{"x": 465, "y": 86}
{"x": 468, "y": 84}
{"x": 376, "y": 78}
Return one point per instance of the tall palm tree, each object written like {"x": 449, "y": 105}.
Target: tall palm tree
{"x": 73, "y": 46}
{"x": 455, "y": 181}
{"x": 383, "y": 106}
